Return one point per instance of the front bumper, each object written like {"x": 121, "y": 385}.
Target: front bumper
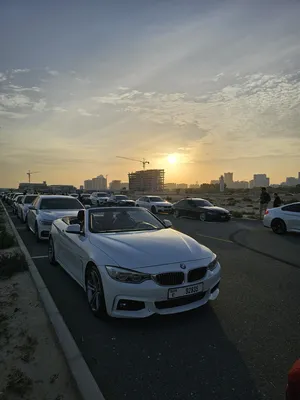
{"x": 218, "y": 217}
{"x": 151, "y": 298}
{"x": 44, "y": 231}
{"x": 167, "y": 210}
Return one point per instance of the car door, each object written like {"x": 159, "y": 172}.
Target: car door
{"x": 292, "y": 216}
{"x": 182, "y": 207}
{"x": 191, "y": 209}
{"x": 31, "y": 216}
{"x": 141, "y": 202}
{"x": 72, "y": 253}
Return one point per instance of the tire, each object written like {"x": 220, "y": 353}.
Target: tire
{"x": 202, "y": 217}
{"x": 278, "y": 226}
{"x": 176, "y": 213}
{"x": 51, "y": 252}
{"x": 153, "y": 209}
{"x": 96, "y": 302}
{"x": 36, "y": 232}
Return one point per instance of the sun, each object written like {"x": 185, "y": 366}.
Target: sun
{"x": 172, "y": 158}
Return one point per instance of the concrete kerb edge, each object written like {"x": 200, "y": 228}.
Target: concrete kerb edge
{"x": 86, "y": 384}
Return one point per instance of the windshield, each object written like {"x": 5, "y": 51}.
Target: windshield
{"x": 60, "y": 204}
{"x": 29, "y": 199}
{"x": 102, "y": 195}
{"x": 120, "y": 220}
{"x": 156, "y": 199}
{"x": 202, "y": 203}
{"x": 120, "y": 197}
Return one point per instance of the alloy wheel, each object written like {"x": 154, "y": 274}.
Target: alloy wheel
{"x": 176, "y": 214}
{"x": 202, "y": 217}
{"x": 279, "y": 227}
{"x": 93, "y": 290}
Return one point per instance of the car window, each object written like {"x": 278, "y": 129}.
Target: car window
{"x": 29, "y": 199}
{"x": 156, "y": 199}
{"x": 202, "y": 203}
{"x": 292, "y": 208}
{"x": 19, "y": 199}
{"x": 121, "y": 197}
{"x": 120, "y": 220}
{"x": 141, "y": 199}
{"x": 35, "y": 202}
{"x": 60, "y": 204}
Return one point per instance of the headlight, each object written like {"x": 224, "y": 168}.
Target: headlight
{"x": 212, "y": 265}
{"x": 126, "y": 276}
{"x": 45, "y": 222}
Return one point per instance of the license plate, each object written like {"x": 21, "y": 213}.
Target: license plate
{"x": 185, "y": 291}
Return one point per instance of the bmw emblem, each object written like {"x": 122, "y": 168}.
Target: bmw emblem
{"x": 182, "y": 266}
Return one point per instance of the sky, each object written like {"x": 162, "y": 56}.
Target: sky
{"x": 210, "y": 86}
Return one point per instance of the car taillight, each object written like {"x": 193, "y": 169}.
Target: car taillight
{"x": 266, "y": 212}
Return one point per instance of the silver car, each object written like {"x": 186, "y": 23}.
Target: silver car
{"x": 283, "y": 219}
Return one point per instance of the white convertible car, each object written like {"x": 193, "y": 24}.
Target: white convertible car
{"x": 131, "y": 264}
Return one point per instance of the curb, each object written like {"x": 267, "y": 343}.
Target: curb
{"x": 81, "y": 374}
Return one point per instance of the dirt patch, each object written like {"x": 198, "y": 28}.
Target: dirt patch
{"x": 12, "y": 263}
{"x": 31, "y": 364}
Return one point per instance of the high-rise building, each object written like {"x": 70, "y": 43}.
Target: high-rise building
{"x": 261, "y": 180}
{"x": 88, "y": 184}
{"x": 124, "y": 185}
{"x": 228, "y": 179}
{"x": 99, "y": 183}
{"x": 149, "y": 180}
{"x": 115, "y": 185}
{"x": 291, "y": 181}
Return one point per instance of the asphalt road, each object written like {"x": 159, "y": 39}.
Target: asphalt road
{"x": 239, "y": 347}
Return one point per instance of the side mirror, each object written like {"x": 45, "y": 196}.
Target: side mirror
{"x": 167, "y": 223}
{"x": 87, "y": 206}
{"x": 31, "y": 207}
{"x": 74, "y": 229}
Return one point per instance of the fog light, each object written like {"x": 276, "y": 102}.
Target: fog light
{"x": 130, "y": 305}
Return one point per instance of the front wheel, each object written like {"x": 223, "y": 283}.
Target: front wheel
{"x": 176, "y": 213}
{"x": 51, "y": 252}
{"x": 95, "y": 292}
{"x": 278, "y": 226}
{"x": 202, "y": 217}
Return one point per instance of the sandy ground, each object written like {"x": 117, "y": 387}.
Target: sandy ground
{"x": 31, "y": 364}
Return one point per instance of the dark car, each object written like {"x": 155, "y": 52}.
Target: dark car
{"x": 200, "y": 209}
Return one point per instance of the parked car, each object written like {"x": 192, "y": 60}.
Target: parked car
{"x": 155, "y": 204}
{"x": 131, "y": 265}
{"x": 99, "y": 198}
{"x": 17, "y": 200}
{"x": 13, "y": 197}
{"x": 75, "y": 195}
{"x": 200, "y": 209}
{"x": 283, "y": 219}
{"x": 85, "y": 198}
{"x": 121, "y": 200}
{"x": 45, "y": 209}
{"x": 23, "y": 207}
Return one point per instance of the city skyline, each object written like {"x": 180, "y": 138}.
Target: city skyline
{"x": 195, "y": 89}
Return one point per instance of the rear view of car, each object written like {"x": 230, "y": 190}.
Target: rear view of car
{"x": 283, "y": 219}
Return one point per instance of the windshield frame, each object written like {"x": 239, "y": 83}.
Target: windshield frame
{"x": 121, "y": 209}
{"x": 209, "y": 204}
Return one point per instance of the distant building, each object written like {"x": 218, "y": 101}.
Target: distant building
{"x": 115, "y": 186}
{"x": 124, "y": 185}
{"x": 251, "y": 184}
{"x": 228, "y": 179}
{"x": 149, "y": 180}
{"x": 62, "y": 189}
{"x": 88, "y": 184}
{"x": 215, "y": 181}
{"x": 291, "y": 181}
{"x": 33, "y": 187}
{"x": 240, "y": 185}
{"x": 222, "y": 183}
{"x": 182, "y": 185}
{"x": 194, "y": 186}
{"x": 261, "y": 180}
{"x": 170, "y": 186}
{"x": 99, "y": 183}
{"x": 81, "y": 187}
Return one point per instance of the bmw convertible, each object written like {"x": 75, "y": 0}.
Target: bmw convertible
{"x": 131, "y": 264}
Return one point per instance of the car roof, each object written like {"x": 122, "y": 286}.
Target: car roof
{"x": 284, "y": 205}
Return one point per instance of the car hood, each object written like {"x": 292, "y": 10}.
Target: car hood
{"x": 55, "y": 214}
{"x": 149, "y": 248}
{"x": 161, "y": 203}
{"x": 215, "y": 209}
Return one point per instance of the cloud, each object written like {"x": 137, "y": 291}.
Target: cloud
{"x": 20, "y": 71}
{"x": 2, "y": 77}
{"x": 17, "y": 88}
{"x": 59, "y": 109}
{"x": 52, "y": 72}
{"x": 14, "y": 100}
{"x": 86, "y": 81}
{"x": 40, "y": 105}
{"x": 11, "y": 114}
{"x": 84, "y": 113}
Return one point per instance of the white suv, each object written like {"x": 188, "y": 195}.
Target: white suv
{"x": 155, "y": 204}
{"x": 99, "y": 198}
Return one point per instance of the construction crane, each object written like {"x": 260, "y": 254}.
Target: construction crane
{"x": 29, "y": 173}
{"x": 143, "y": 161}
